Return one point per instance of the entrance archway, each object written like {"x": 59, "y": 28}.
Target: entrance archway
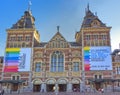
{"x": 50, "y": 84}
{"x": 62, "y": 84}
{"x": 37, "y": 85}
{"x": 76, "y": 85}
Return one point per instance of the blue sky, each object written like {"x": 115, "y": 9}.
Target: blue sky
{"x": 68, "y": 14}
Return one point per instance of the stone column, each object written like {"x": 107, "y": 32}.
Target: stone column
{"x": 56, "y": 88}
{"x": 43, "y": 87}
{"x": 82, "y": 87}
{"x": 30, "y": 86}
{"x": 69, "y": 87}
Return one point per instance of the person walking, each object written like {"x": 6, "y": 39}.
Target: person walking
{"x": 102, "y": 90}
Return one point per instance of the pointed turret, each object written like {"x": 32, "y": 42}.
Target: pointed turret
{"x": 26, "y": 21}
{"x": 90, "y": 18}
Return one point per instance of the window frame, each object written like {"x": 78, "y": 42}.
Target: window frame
{"x": 57, "y": 62}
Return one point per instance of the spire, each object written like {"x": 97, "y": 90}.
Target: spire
{"x": 29, "y": 6}
{"x": 58, "y": 27}
{"x": 88, "y": 7}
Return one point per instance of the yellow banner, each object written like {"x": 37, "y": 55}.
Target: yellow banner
{"x": 12, "y": 49}
{"x": 86, "y": 48}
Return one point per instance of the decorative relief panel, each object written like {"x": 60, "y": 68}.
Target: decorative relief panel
{"x": 76, "y": 54}
{"x": 76, "y": 74}
{"x": 37, "y": 74}
{"x": 56, "y": 74}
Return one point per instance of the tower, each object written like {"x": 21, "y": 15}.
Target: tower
{"x": 21, "y": 38}
{"x": 96, "y": 47}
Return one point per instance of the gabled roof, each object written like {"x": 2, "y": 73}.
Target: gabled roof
{"x": 57, "y": 40}
{"x": 58, "y": 34}
{"x": 26, "y": 21}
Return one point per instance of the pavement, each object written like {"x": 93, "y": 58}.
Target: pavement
{"x": 64, "y": 93}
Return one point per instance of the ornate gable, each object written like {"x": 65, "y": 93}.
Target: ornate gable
{"x": 58, "y": 41}
{"x": 96, "y": 23}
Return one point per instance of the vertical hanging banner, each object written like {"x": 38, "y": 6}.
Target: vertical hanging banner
{"x": 97, "y": 58}
{"x": 87, "y": 58}
{"x": 17, "y": 59}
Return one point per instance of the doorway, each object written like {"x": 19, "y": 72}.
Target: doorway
{"x": 62, "y": 87}
{"x": 97, "y": 85}
{"x": 36, "y": 88}
{"x": 15, "y": 87}
{"x": 76, "y": 87}
{"x": 50, "y": 87}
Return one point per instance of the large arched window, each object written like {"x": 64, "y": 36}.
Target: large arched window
{"x": 57, "y": 62}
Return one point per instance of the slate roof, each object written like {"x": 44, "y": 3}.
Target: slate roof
{"x": 89, "y": 17}
{"x": 26, "y": 21}
{"x": 41, "y": 44}
{"x": 74, "y": 44}
{"x": 116, "y": 51}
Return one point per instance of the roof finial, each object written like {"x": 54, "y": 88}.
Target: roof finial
{"x": 88, "y": 7}
{"x": 29, "y": 5}
{"x": 58, "y": 27}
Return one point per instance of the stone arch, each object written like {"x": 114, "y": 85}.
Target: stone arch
{"x": 62, "y": 81}
{"x": 62, "y": 52}
{"x": 36, "y": 81}
{"x": 50, "y": 81}
{"x": 76, "y": 81}
{"x": 76, "y": 60}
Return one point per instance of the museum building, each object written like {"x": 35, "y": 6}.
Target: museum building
{"x": 57, "y": 65}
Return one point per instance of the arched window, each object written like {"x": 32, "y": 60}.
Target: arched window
{"x": 57, "y": 62}
{"x": 38, "y": 67}
{"x": 76, "y": 66}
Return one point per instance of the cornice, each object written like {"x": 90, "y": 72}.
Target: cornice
{"x": 98, "y": 29}
{"x": 20, "y": 30}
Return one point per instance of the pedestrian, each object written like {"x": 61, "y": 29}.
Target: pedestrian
{"x": 102, "y": 90}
